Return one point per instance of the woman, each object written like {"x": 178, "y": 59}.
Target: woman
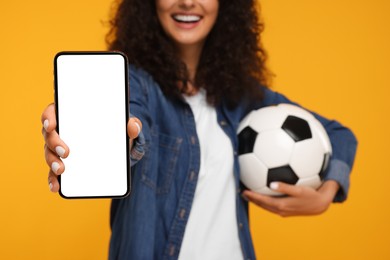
{"x": 197, "y": 70}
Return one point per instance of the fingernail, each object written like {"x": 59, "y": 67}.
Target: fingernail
{"x": 274, "y": 185}
{"x": 46, "y": 124}
{"x": 50, "y": 186}
{"x": 138, "y": 127}
{"x": 55, "y": 166}
{"x": 60, "y": 151}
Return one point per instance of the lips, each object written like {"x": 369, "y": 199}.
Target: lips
{"x": 186, "y": 18}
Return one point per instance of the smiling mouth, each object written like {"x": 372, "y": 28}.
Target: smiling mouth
{"x": 181, "y": 18}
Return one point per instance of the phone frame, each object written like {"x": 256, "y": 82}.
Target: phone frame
{"x": 127, "y": 112}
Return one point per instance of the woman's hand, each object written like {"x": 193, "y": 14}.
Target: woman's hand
{"x": 300, "y": 201}
{"x": 134, "y": 127}
{"x": 56, "y": 149}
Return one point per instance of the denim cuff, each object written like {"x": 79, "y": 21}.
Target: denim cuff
{"x": 339, "y": 171}
{"x": 137, "y": 150}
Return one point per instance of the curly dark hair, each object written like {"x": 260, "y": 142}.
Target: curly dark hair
{"x": 232, "y": 63}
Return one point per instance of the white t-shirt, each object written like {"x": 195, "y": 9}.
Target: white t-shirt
{"x": 212, "y": 232}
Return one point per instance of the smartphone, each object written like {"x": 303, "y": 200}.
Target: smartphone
{"x": 91, "y": 98}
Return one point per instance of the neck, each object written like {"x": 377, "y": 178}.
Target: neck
{"x": 190, "y": 55}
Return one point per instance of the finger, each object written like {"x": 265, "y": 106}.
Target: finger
{"x": 260, "y": 199}
{"x": 277, "y": 205}
{"x": 55, "y": 144}
{"x": 56, "y": 165}
{"x": 268, "y": 208}
{"x": 48, "y": 118}
{"x": 54, "y": 185}
{"x": 134, "y": 127}
{"x": 287, "y": 189}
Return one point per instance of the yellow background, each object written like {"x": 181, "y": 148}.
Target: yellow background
{"x": 331, "y": 56}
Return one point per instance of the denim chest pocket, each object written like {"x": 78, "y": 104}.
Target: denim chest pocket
{"x": 159, "y": 161}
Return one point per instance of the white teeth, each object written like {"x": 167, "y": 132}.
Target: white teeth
{"x": 186, "y": 18}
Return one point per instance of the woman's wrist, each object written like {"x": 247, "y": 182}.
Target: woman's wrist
{"x": 329, "y": 189}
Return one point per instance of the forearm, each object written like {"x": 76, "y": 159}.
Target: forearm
{"x": 329, "y": 190}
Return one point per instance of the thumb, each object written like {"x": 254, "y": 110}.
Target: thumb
{"x": 134, "y": 127}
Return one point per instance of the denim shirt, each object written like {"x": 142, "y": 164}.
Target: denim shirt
{"x": 150, "y": 223}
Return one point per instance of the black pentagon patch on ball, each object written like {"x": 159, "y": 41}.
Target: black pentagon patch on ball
{"x": 282, "y": 174}
{"x": 246, "y": 140}
{"x": 297, "y": 128}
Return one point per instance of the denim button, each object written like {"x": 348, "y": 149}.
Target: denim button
{"x": 192, "y": 175}
{"x": 193, "y": 140}
{"x": 182, "y": 213}
{"x": 171, "y": 250}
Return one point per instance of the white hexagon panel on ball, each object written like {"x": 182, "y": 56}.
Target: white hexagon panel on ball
{"x": 274, "y": 148}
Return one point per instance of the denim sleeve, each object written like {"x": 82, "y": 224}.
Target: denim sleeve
{"x": 138, "y": 148}
{"x": 139, "y": 108}
{"x": 344, "y": 144}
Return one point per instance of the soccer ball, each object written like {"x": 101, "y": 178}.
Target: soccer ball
{"x": 282, "y": 143}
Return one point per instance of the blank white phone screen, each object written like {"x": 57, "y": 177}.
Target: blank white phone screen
{"x": 91, "y": 102}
